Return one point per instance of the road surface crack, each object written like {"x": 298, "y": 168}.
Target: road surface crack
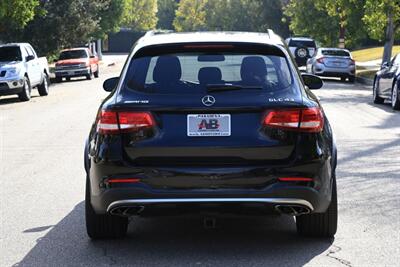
{"x": 334, "y": 249}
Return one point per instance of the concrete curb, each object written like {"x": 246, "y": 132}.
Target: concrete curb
{"x": 364, "y": 81}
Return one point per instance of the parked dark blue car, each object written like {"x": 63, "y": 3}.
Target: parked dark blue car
{"x": 387, "y": 83}
{"x": 219, "y": 122}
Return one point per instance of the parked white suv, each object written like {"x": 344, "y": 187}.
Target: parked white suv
{"x": 21, "y": 70}
{"x": 302, "y": 49}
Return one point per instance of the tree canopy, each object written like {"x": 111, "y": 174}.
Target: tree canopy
{"x": 230, "y": 15}
{"x": 140, "y": 14}
{"x": 53, "y": 24}
{"x": 166, "y": 13}
{"x": 17, "y": 13}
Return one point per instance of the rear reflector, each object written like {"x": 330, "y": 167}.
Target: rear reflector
{"x": 113, "y": 122}
{"x": 303, "y": 120}
{"x": 295, "y": 179}
{"x": 123, "y": 180}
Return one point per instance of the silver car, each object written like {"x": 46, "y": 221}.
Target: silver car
{"x": 332, "y": 62}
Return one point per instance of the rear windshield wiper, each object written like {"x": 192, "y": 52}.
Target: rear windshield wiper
{"x": 229, "y": 87}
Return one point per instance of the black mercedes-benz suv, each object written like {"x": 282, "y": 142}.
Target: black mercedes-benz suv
{"x": 210, "y": 122}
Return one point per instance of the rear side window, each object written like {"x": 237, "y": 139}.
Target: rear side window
{"x": 190, "y": 73}
{"x": 337, "y": 53}
{"x": 300, "y": 43}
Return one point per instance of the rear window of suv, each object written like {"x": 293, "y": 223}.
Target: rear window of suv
{"x": 299, "y": 43}
{"x": 195, "y": 72}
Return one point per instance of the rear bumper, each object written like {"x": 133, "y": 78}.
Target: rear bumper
{"x": 322, "y": 70}
{"x": 73, "y": 72}
{"x": 212, "y": 187}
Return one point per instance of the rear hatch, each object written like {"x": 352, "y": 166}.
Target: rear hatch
{"x": 337, "y": 62}
{"x": 206, "y": 105}
{"x": 229, "y": 133}
{"x": 336, "y": 58}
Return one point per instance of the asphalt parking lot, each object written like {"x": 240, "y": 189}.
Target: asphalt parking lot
{"x": 42, "y": 193}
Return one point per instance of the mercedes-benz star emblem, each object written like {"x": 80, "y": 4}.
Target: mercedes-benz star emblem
{"x": 208, "y": 100}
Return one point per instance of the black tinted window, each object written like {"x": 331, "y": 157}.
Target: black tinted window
{"x": 10, "y": 53}
{"x": 338, "y": 53}
{"x": 298, "y": 43}
{"x": 189, "y": 73}
{"x": 73, "y": 54}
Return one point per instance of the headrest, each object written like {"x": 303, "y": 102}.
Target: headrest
{"x": 253, "y": 67}
{"x": 167, "y": 69}
{"x": 209, "y": 75}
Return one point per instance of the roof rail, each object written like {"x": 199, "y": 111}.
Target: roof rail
{"x": 156, "y": 32}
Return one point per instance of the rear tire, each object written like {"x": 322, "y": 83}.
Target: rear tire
{"x": 68, "y": 79}
{"x": 100, "y": 226}
{"x": 58, "y": 79}
{"x": 90, "y": 75}
{"x": 320, "y": 224}
{"x": 352, "y": 79}
{"x": 96, "y": 73}
{"x": 377, "y": 99}
{"x": 396, "y": 96}
{"x": 342, "y": 79}
{"x": 43, "y": 88}
{"x": 25, "y": 95}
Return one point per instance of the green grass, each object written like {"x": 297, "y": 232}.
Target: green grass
{"x": 372, "y": 53}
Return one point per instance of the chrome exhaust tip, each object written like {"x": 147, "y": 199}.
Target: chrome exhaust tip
{"x": 127, "y": 211}
{"x": 293, "y": 210}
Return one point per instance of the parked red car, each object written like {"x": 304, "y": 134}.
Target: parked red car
{"x": 77, "y": 62}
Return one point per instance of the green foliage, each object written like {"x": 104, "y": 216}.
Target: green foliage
{"x": 307, "y": 19}
{"x": 16, "y": 13}
{"x": 234, "y": 15}
{"x": 376, "y": 16}
{"x": 349, "y": 13}
{"x": 140, "y": 15}
{"x": 66, "y": 23}
{"x": 230, "y": 15}
{"x": 166, "y": 13}
{"x": 190, "y": 15}
{"x": 111, "y": 14}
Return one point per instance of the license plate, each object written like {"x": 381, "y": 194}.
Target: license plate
{"x": 71, "y": 73}
{"x": 209, "y": 125}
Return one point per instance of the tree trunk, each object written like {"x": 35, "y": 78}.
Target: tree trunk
{"x": 342, "y": 33}
{"x": 389, "y": 39}
{"x": 99, "y": 49}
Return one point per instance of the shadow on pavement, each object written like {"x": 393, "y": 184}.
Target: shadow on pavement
{"x": 4, "y": 100}
{"x": 178, "y": 241}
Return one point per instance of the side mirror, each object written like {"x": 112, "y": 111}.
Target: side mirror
{"x": 312, "y": 81}
{"x": 29, "y": 58}
{"x": 385, "y": 65}
{"x": 92, "y": 56}
{"x": 110, "y": 84}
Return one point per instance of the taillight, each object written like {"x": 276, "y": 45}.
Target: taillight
{"x": 352, "y": 62}
{"x": 321, "y": 60}
{"x": 107, "y": 122}
{"x": 134, "y": 121}
{"x": 303, "y": 120}
{"x": 114, "y": 122}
